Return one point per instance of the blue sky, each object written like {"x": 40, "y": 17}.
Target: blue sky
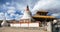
{"x": 13, "y": 9}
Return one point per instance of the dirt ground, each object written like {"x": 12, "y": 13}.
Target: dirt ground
{"x": 15, "y": 29}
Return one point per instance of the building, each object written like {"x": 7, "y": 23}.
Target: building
{"x": 42, "y": 17}
{"x": 45, "y": 21}
{"x": 26, "y": 16}
{"x": 25, "y": 21}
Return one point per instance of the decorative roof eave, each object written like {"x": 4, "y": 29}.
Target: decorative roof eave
{"x": 39, "y": 16}
{"x": 42, "y": 11}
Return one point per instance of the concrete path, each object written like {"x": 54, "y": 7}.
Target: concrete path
{"x": 12, "y": 29}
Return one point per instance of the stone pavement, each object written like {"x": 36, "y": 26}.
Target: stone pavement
{"x": 15, "y": 29}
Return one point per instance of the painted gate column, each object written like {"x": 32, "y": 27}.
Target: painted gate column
{"x": 49, "y": 26}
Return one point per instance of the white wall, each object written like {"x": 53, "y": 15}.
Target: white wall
{"x": 25, "y": 25}
{"x": 33, "y": 24}
{"x": 15, "y": 25}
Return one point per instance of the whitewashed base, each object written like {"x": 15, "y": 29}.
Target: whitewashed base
{"x": 25, "y": 25}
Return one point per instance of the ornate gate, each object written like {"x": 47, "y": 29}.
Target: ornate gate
{"x": 56, "y": 27}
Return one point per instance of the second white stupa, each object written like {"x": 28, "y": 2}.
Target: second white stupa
{"x": 4, "y": 22}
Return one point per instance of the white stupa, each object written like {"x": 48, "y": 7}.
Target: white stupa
{"x": 27, "y": 15}
{"x": 4, "y": 23}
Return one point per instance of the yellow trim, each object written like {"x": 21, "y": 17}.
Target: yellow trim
{"x": 39, "y": 16}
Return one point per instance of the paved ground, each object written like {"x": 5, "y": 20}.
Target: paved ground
{"x": 12, "y": 29}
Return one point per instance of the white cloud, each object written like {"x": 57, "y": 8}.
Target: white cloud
{"x": 20, "y": 6}
{"x": 7, "y": 3}
{"x": 46, "y": 4}
{"x": 12, "y": 15}
{"x": 11, "y": 10}
{"x": 55, "y": 14}
{"x": 42, "y": 4}
{"x": 9, "y": 17}
{"x": 1, "y": 15}
{"x": 11, "y": 7}
{"x": 18, "y": 17}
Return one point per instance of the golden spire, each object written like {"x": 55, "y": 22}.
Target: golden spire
{"x": 27, "y": 8}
